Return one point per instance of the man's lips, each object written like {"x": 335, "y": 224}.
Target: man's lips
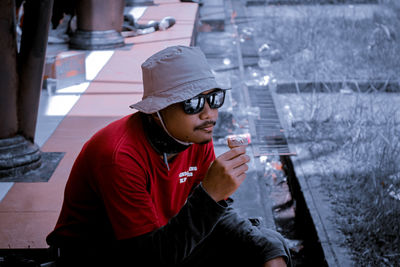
{"x": 208, "y": 127}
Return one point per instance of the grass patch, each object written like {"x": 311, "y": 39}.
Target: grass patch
{"x": 325, "y": 43}
{"x": 356, "y": 139}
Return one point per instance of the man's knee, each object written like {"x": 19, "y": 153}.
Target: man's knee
{"x": 274, "y": 234}
{"x": 278, "y": 239}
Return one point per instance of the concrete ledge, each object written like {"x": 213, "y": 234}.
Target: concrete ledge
{"x": 305, "y": 176}
{"x": 306, "y": 183}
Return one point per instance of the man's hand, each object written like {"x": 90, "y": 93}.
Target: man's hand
{"x": 226, "y": 173}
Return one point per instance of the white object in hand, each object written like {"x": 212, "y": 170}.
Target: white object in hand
{"x": 235, "y": 141}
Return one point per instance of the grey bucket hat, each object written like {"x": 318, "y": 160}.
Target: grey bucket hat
{"x": 173, "y": 75}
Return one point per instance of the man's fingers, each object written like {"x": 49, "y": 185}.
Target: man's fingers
{"x": 226, "y": 173}
{"x": 230, "y": 162}
{"x": 232, "y": 153}
{"x": 238, "y": 161}
{"x": 241, "y": 169}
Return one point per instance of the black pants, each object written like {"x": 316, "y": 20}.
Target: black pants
{"x": 218, "y": 249}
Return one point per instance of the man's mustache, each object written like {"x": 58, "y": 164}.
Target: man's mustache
{"x": 205, "y": 125}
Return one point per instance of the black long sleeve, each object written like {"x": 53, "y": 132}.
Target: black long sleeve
{"x": 172, "y": 243}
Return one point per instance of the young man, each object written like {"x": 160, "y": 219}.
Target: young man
{"x": 148, "y": 190}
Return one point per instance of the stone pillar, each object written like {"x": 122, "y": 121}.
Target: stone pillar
{"x": 20, "y": 80}
{"x": 8, "y": 71}
{"x": 31, "y": 58}
{"x": 99, "y": 24}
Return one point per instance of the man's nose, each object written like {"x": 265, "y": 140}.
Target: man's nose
{"x": 208, "y": 113}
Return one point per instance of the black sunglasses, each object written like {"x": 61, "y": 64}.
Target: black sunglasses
{"x": 196, "y": 104}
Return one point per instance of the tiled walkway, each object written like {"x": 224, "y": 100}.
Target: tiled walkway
{"x": 28, "y": 211}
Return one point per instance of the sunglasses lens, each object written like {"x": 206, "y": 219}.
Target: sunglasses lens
{"x": 196, "y": 104}
{"x": 193, "y": 105}
{"x": 216, "y": 99}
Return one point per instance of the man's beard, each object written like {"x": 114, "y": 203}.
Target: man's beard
{"x": 205, "y": 125}
{"x": 205, "y": 142}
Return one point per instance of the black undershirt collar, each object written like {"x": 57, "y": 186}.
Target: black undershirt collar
{"x": 159, "y": 139}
